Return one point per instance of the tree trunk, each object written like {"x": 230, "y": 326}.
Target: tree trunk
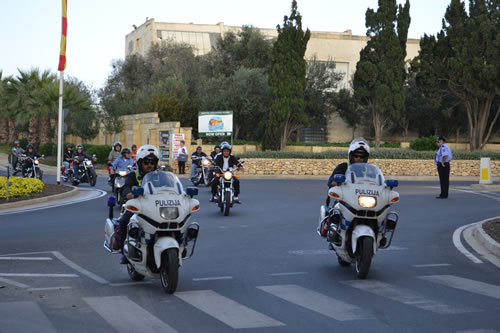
{"x": 4, "y": 130}
{"x": 378, "y": 124}
{"x": 12, "y": 129}
{"x": 44, "y": 130}
{"x": 34, "y": 133}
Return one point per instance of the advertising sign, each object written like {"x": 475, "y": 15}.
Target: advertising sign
{"x": 215, "y": 123}
{"x": 177, "y": 138}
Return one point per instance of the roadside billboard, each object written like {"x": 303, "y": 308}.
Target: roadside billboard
{"x": 215, "y": 123}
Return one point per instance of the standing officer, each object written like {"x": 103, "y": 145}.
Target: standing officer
{"x": 443, "y": 158}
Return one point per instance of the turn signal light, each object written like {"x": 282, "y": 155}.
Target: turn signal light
{"x": 238, "y": 176}
{"x": 396, "y": 199}
{"x": 217, "y": 175}
{"x": 133, "y": 208}
{"x": 334, "y": 195}
{"x": 195, "y": 208}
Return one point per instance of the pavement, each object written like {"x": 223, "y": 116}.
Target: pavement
{"x": 474, "y": 235}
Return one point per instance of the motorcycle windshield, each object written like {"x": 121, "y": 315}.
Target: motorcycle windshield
{"x": 364, "y": 172}
{"x": 161, "y": 180}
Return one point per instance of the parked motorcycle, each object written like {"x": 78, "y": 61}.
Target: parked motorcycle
{"x": 360, "y": 222}
{"x": 159, "y": 233}
{"x": 118, "y": 183}
{"x": 225, "y": 187}
{"x": 203, "y": 173}
{"x": 33, "y": 170}
{"x": 86, "y": 172}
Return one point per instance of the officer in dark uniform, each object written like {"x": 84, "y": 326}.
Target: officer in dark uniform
{"x": 443, "y": 158}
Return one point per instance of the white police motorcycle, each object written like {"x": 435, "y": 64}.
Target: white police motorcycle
{"x": 360, "y": 221}
{"x": 159, "y": 233}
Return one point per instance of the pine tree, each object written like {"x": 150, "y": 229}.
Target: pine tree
{"x": 380, "y": 73}
{"x": 287, "y": 82}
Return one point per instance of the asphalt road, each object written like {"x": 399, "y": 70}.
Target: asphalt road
{"x": 261, "y": 269}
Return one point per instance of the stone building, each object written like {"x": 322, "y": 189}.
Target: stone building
{"x": 341, "y": 47}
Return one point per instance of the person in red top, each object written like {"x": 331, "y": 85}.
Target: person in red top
{"x": 133, "y": 151}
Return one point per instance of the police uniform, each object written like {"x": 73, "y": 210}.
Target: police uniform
{"x": 443, "y": 171}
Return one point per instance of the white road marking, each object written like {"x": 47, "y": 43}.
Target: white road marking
{"x": 124, "y": 284}
{"x": 48, "y": 288}
{"x": 327, "y": 251}
{"x": 213, "y": 278}
{"x": 406, "y": 297}
{"x": 317, "y": 302}
{"x": 25, "y": 258}
{"x": 39, "y": 275}
{"x": 14, "y": 283}
{"x": 458, "y": 244}
{"x": 226, "y": 310}
{"x": 431, "y": 265}
{"x": 63, "y": 202}
{"x": 79, "y": 269}
{"x": 126, "y": 316}
{"x": 24, "y": 317}
{"x": 469, "y": 285}
{"x": 288, "y": 273}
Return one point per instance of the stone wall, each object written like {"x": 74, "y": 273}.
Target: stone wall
{"x": 388, "y": 167}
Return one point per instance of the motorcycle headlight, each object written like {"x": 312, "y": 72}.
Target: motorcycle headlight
{"x": 36, "y": 162}
{"x": 169, "y": 213}
{"x": 88, "y": 163}
{"x": 122, "y": 173}
{"x": 228, "y": 175}
{"x": 367, "y": 202}
{"x": 205, "y": 162}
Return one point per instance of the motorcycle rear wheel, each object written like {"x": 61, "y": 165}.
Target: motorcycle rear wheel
{"x": 227, "y": 205}
{"x": 364, "y": 255}
{"x": 134, "y": 276}
{"x": 169, "y": 270}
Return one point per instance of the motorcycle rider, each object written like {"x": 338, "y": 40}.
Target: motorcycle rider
{"x": 359, "y": 152}
{"x": 121, "y": 163}
{"x": 215, "y": 152}
{"x": 78, "y": 157}
{"x": 68, "y": 158}
{"x": 196, "y": 160}
{"x": 226, "y": 161}
{"x": 114, "y": 153}
{"x": 30, "y": 152}
{"x": 17, "y": 151}
{"x": 147, "y": 161}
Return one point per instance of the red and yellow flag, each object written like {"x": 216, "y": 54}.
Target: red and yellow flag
{"x": 62, "y": 55}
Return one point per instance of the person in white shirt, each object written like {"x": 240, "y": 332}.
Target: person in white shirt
{"x": 182, "y": 162}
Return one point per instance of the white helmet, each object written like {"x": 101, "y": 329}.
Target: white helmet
{"x": 359, "y": 145}
{"x": 147, "y": 150}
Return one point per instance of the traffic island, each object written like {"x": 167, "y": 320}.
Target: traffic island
{"x": 50, "y": 192}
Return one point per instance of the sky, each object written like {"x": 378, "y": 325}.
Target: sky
{"x": 31, "y": 29}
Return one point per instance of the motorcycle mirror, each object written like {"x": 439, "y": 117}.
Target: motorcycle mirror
{"x": 137, "y": 191}
{"x": 191, "y": 191}
{"x": 111, "y": 201}
{"x": 339, "y": 179}
{"x": 391, "y": 183}
{"x": 43, "y": 156}
{"x": 93, "y": 155}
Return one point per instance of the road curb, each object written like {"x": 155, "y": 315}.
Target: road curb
{"x": 484, "y": 239}
{"x": 29, "y": 202}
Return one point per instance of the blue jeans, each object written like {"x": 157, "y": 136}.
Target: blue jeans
{"x": 75, "y": 169}
{"x": 193, "y": 170}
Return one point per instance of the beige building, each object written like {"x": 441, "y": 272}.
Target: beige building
{"x": 341, "y": 47}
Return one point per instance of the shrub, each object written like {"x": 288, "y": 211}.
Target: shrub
{"x": 424, "y": 143}
{"x": 48, "y": 149}
{"x": 101, "y": 152}
{"x": 20, "y": 187}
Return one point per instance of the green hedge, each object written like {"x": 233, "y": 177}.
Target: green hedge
{"x": 405, "y": 154}
{"x": 101, "y": 152}
{"x": 424, "y": 143}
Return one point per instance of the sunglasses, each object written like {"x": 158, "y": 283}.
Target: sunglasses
{"x": 147, "y": 162}
{"x": 358, "y": 156}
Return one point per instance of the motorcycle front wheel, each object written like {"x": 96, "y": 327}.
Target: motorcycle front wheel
{"x": 169, "y": 270}
{"x": 227, "y": 204}
{"x": 40, "y": 174}
{"x": 134, "y": 276}
{"x": 93, "y": 178}
{"x": 364, "y": 255}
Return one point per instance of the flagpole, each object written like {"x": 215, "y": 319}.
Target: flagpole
{"x": 59, "y": 128}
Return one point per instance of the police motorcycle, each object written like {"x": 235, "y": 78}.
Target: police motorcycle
{"x": 202, "y": 175}
{"x": 118, "y": 183}
{"x": 360, "y": 221}
{"x": 225, "y": 187}
{"x": 33, "y": 170}
{"x": 86, "y": 172}
{"x": 159, "y": 233}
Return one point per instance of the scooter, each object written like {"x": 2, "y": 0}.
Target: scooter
{"x": 359, "y": 223}
{"x": 159, "y": 233}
